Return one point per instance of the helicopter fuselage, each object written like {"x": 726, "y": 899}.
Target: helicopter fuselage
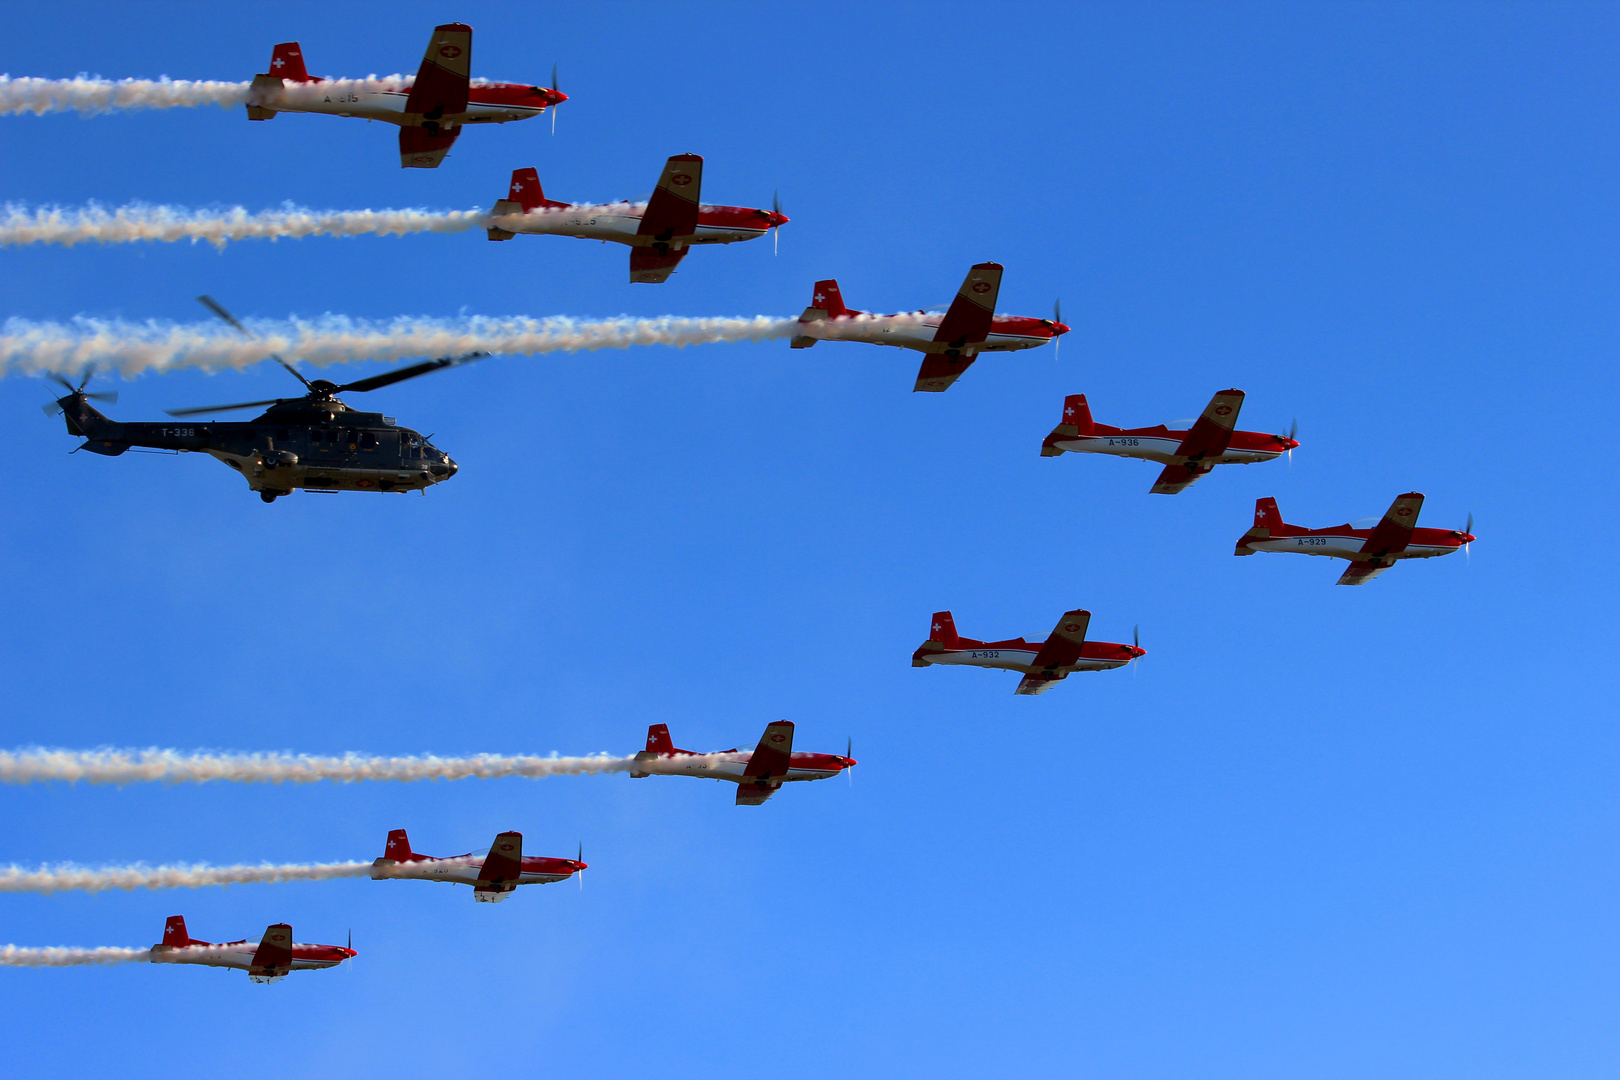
{"x": 322, "y": 446}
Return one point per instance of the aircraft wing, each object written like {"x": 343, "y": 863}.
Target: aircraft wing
{"x": 767, "y": 765}
{"x": 756, "y": 792}
{"x": 441, "y": 82}
{"x": 1208, "y": 438}
{"x": 440, "y": 90}
{"x": 1062, "y": 647}
{"x": 968, "y": 320}
{"x": 504, "y": 863}
{"x": 648, "y": 266}
{"x": 1394, "y": 532}
{"x": 1038, "y": 683}
{"x": 673, "y": 209}
{"x": 1179, "y": 477}
{"x": 966, "y": 324}
{"x": 1362, "y": 571}
{"x": 273, "y": 958}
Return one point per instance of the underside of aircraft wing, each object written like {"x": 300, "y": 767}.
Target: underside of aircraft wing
{"x": 755, "y": 792}
{"x": 1361, "y": 571}
{"x": 1037, "y": 683}
{"x": 1394, "y": 531}
{"x": 421, "y": 149}
{"x": 649, "y": 267}
{"x": 939, "y": 370}
{"x": 504, "y": 863}
{"x": 1178, "y": 477}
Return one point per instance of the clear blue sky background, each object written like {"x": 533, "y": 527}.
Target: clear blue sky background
{"x": 1321, "y": 832}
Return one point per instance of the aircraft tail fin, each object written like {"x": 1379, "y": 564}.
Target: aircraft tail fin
{"x": 658, "y": 740}
{"x": 829, "y": 298}
{"x": 942, "y": 635}
{"x": 174, "y": 933}
{"x": 398, "y": 847}
{"x": 1076, "y": 424}
{"x": 526, "y": 191}
{"x": 1267, "y": 516}
{"x": 1268, "y": 522}
{"x": 287, "y": 63}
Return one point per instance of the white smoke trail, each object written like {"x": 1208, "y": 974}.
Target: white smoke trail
{"x": 18, "y": 956}
{"x": 95, "y": 95}
{"x": 167, "y": 224}
{"x": 70, "y": 878}
{"x": 132, "y": 348}
{"x": 37, "y": 765}
{"x": 88, "y": 94}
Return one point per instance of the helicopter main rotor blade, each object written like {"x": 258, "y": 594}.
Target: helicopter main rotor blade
{"x": 388, "y": 378}
{"x": 223, "y": 408}
{"x": 219, "y": 309}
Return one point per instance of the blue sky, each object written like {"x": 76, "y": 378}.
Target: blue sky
{"x": 1320, "y": 832}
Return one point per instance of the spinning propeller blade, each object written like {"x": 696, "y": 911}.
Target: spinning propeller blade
{"x": 554, "y": 104}
{"x": 219, "y": 309}
{"x": 849, "y": 754}
{"x": 580, "y": 858}
{"x": 776, "y": 233}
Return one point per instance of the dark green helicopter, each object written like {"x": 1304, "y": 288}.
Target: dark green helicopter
{"x": 314, "y": 442}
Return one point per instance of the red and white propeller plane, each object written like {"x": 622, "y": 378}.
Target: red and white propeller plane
{"x": 492, "y": 877}
{"x": 757, "y": 773}
{"x": 1371, "y": 545}
{"x": 430, "y": 109}
{"x": 267, "y": 962}
{"x": 1186, "y": 453}
{"x": 659, "y": 231}
{"x": 952, "y": 340}
{"x": 1044, "y": 663}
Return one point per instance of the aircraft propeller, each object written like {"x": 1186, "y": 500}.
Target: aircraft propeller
{"x": 109, "y": 396}
{"x": 1136, "y": 643}
{"x": 776, "y": 234}
{"x": 1468, "y": 530}
{"x": 1293, "y": 430}
{"x": 554, "y": 105}
{"x": 579, "y": 859}
{"x": 849, "y": 751}
{"x": 321, "y": 389}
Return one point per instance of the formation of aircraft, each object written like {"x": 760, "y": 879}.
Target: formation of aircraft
{"x": 660, "y": 232}
{"x": 954, "y": 340}
{"x": 492, "y": 877}
{"x": 758, "y": 773}
{"x": 1186, "y": 453}
{"x": 1043, "y": 663}
{"x": 269, "y": 961}
{"x": 1371, "y": 545}
{"x": 430, "y": 109}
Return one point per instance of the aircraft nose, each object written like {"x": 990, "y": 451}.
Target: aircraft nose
{"x": 1059, "y": 329}
{"x": 555, "y": 97}
{"x": 776, "y": 218}
{"x": 1287, "y": 443}
{"x": 454, "y": 468}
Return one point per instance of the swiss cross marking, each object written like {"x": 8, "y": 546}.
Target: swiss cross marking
{"x": 278, "y": 62}
{"x": 778, "y": 738}
{"x": 1223, "y": 410}
{"x": 449, "y": 52}
{"x": 680, "y": 179}
{"x": 981, "y": 287}
{"x": 1404, "y": 511}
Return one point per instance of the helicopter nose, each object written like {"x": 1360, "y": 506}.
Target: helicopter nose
{"x": 453, "y": 468}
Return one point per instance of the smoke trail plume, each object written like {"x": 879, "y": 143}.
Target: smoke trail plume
{"x": 70, "y": 878}
{"x": 167, "y": 224}
{"x": 18, "y": 956}
{"x": 37, "y": 765}
{"x": 132, "y": 348}
{"x": 94, "y": 95}
{"x": 87, "y": 94}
